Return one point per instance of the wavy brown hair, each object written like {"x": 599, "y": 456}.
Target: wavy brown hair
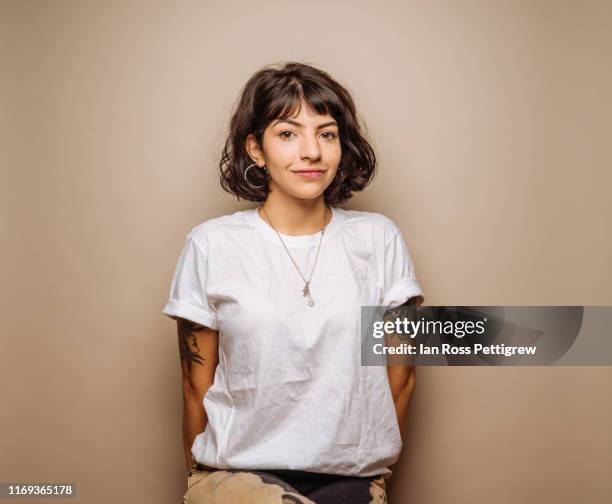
{"x": 276, "y": 93}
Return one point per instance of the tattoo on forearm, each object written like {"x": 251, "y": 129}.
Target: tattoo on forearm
{"x": 188, "y": 354}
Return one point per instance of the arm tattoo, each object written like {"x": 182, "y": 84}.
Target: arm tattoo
{"x": 186, "y": 330}
{"x": 397, "y": 311}
{"x": 405, "y": 310}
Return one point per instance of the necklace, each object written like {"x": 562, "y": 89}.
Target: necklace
{"x": 306, "y": 290}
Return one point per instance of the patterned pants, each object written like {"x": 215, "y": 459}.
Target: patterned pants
{"x": 236, "y": 486}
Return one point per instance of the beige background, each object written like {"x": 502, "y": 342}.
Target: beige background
{"x": 492, "y": 121}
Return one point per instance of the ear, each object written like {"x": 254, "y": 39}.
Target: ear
{"x": 254, "y": 151}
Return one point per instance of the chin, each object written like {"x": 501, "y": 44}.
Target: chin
{"x": 310, "y": 194}
{"x": 302, "y": 190}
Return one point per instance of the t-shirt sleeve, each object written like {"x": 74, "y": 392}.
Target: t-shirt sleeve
{"x": 188, "y": 291}
{"x": 400, "y": 283}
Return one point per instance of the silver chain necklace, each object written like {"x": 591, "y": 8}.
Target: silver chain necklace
{"x": 306, "y": 290}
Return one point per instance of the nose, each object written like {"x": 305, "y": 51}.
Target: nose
{"x": 309, "y": 148}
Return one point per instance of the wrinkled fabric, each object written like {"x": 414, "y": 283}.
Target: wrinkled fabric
{"x": 289, "y": 391}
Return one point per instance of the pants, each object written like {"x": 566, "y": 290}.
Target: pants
{"x": 237, "y": 486}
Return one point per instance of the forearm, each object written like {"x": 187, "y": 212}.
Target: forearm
{"x": 402, "y": 381}
{"x": 401, "y": 370}
{"x": 402, "y": 388}
{"x": 199, "y": 351}
{"x": 194, "y": 422}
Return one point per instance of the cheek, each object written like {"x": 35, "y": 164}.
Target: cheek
{"x": 281, "y": 154}
{"x": 334, "y": 154}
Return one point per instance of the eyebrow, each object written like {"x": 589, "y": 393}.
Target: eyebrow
{"x": 299, "y": 125}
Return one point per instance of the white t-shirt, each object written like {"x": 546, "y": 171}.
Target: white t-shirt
{"x": 289, "y": 391}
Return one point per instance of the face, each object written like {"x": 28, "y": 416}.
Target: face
{"x": 302, "y": 153}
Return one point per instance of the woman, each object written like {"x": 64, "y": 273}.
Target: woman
{"x": 268, "y": 302}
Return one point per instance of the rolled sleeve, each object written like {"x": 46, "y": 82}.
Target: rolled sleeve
{"x": 188, "y": 297}
{"x": 400, "y": 283}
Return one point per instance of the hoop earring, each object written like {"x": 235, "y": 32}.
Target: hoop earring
{"x": 247, "y": 180}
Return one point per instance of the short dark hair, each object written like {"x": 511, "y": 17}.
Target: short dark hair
{"x": 276, "y": 93}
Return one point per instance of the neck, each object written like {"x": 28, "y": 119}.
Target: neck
{"x": 296, "y": 217}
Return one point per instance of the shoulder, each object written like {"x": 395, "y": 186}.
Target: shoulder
{"x": 370, "y": 224}
{"x": 214, "y": 229}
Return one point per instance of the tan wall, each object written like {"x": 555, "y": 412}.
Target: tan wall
{"x": 492, "y": 121}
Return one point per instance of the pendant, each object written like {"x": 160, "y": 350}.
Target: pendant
{"x": 306, "y": 293}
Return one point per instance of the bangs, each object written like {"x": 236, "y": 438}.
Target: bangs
{"x": 288, "y": 99}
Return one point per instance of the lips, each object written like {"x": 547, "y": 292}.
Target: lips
{"x": 309, "y": 174}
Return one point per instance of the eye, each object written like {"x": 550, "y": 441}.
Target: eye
{"x": 331, "y": 135}
{"x": 283, "y": 135}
